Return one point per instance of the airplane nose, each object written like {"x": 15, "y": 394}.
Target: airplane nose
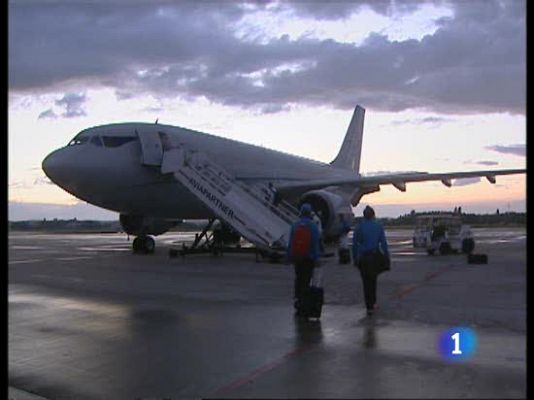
{"x": 51, "y": 166}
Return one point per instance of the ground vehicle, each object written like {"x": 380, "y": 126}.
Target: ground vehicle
{"x": 443, "y": 232}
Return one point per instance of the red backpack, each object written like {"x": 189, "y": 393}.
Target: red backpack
{"x": 301, "y": 243}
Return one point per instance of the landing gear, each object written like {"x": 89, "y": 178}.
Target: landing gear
{"x": 197, "y": 246}
{"x": 445, "y": 248}
{"x": 217, "y": 243}
{"x": 144, "y": 245}
{"x": 468, "y": 245}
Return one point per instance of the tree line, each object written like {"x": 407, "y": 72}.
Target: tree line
{"x": 496, "y": 219}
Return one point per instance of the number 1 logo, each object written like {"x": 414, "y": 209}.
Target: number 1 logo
{"x": 457, "y": 344}
{"x": 456, "y": 338}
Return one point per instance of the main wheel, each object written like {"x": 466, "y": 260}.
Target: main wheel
{"x": 468, "y": 245}
{"x": 137, "y": 245}
{"x": 143, "y": 245}
{"x": 149, "y": 245}
{"x": 445, "y": 248}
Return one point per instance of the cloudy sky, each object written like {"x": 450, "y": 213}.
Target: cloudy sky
{"x": 443, "y": 84}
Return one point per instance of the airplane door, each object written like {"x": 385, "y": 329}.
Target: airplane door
{"x": 151, "y": 148}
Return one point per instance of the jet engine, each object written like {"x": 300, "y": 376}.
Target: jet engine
{"x": 139, "y": 225}
{"x": 333, "y": 210}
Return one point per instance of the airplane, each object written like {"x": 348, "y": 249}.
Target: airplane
{"x": 154, "y": 174}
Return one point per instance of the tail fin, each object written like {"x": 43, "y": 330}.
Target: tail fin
{"x": 351, "y": 149}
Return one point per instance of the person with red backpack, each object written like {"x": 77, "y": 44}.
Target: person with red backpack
{"x": 304, "y": 252}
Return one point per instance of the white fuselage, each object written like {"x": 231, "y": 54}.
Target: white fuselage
{"x": 114, "y": 177}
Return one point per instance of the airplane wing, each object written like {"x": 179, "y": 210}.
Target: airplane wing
{"x": 397, "y": 180}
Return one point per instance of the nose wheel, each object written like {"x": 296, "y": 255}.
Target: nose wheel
{"x": 144, "y": 245}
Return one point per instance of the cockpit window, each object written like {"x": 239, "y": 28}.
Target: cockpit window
{"x": 96, "y": 141}
{"x": 79, "y": 140}
{"x": 116, "y": 141}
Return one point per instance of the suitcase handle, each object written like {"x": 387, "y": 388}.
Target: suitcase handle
{"x": 317, "y": 277}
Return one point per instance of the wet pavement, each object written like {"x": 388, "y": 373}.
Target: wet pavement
{"x": 89, "y": 320}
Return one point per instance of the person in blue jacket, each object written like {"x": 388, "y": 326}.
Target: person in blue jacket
{"x": 368, "y": 238}
{"x": 303, "y": 250}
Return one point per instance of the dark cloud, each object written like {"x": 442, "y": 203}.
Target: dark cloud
{"x": 42, "y": 181}
{"x": 153, "y": 109}
{"x": 329, "y": 10}
{"x": 422, "y": 121}
{"x": 483, "y": 162}
{"x": 488, "y": 163}
{"x": 274, "y": 108}
{"x": 18, "y": 185}
{"x": 73, "y": 104}
{"x": 21, "y": 184}
{"x": 465, "y": 181}
{"x": 515, "y": 149}
{"x": 341, "y": 9}
{"x": 47, "y": 114}
{"x": 474, "y": 62}
{"x": 434, "y": 120}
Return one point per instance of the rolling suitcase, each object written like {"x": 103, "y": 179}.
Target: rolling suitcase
{"x": 344, "y": 256}
{"x": 312, "y": 299}
{"x": 312, "y": 302}
{"x": 477, "y": 258}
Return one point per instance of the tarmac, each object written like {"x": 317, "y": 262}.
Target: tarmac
{"x": 90, "y": 320}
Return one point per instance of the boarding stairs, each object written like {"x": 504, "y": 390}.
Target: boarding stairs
{"x": 253, "y": 210}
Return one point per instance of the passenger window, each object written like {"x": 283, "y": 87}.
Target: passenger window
{"x": 116, "y": 141}
{"x": 96, "y": 141}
